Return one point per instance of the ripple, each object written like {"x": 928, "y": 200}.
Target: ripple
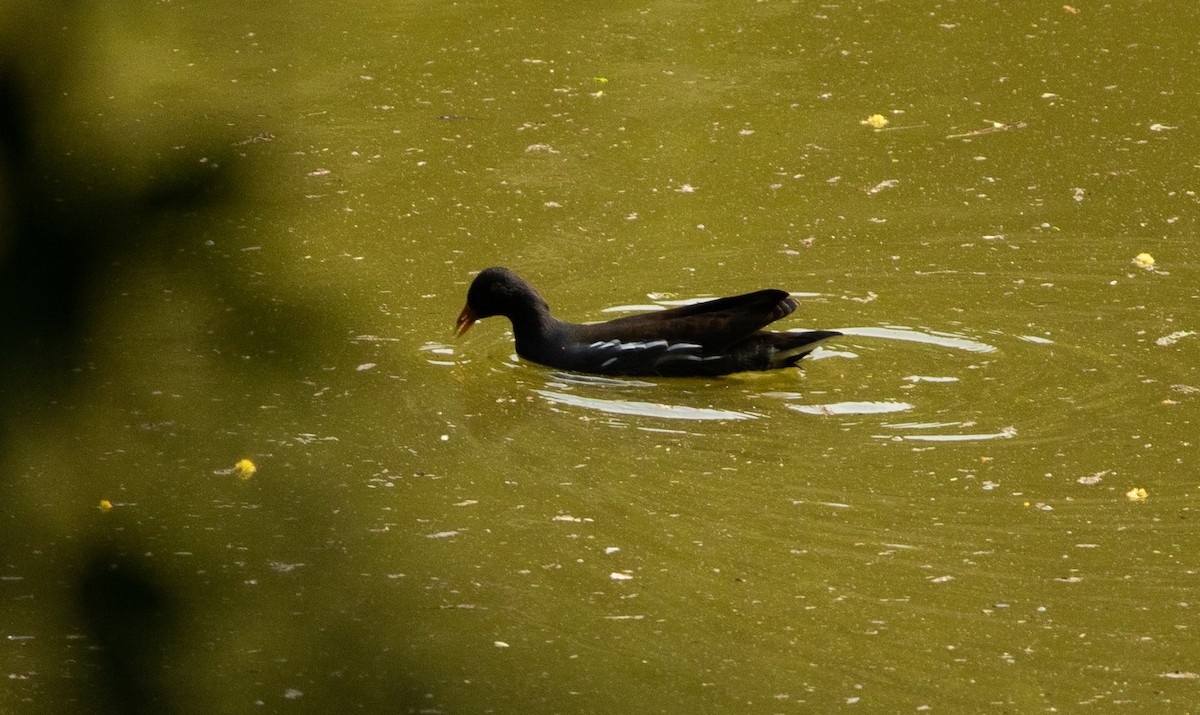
{"x": 1005, "y": 433}
{"x": 644, "y": 409}
{"x": 440, "y": 354}
{"x": 852, "y": 408}
{"x": 932, "y": 337}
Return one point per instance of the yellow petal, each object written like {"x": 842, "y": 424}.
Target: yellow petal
{"x": 105, "y": 505}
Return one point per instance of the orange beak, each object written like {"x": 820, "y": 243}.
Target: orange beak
{"x": 465, "y": 320}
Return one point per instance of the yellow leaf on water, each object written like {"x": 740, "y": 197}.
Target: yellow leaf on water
{"x": 105, "y": 505}
{"x": 245, "y": 469}
{"x": 1136, "y": 494}
{"x": 876, "y": 121}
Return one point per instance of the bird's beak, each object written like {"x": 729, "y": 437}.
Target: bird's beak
{"x": 465, "y": 320}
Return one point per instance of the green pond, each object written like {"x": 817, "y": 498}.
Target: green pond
{"x": 940, "y": 512}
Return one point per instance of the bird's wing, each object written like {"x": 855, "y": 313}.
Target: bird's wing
{"x": 641, "y": 357}
{"x": 712, "y": 325}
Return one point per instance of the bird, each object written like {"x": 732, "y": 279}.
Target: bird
{"x": 715, "y": 337}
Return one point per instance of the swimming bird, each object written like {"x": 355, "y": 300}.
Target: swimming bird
{"x": 716, "y": 337}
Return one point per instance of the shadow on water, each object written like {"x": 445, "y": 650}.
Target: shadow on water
{"x": 132, "y": 618}
{"x": 65, "y": 226}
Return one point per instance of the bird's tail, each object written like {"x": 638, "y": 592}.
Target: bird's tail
{"x": 791, "y": 347}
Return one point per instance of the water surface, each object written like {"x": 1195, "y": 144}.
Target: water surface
{"x": 932, "y": 515}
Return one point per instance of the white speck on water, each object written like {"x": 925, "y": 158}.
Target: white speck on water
{"x": 1174, "y": 337}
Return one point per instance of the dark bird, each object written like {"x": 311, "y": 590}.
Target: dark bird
{"x": 716, "y": 337}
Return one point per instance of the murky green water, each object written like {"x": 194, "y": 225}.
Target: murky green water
{"x": 933, "y": 515}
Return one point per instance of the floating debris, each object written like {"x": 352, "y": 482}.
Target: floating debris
{"x": 281, "y": 567}
{"x": 875, "y": 121}
{"x": 263, "y": 137}
{"x": 1136, "y": 494}
{"x": 105, "y": 505}
{"x": 574, "y": 519}
{"x": 1144, "y": 260}
{"x": 886, "y": 184}
{"x": 1174, "y": 337}
{"x": 244, "y": 469}
{"x": 994, "y": 128}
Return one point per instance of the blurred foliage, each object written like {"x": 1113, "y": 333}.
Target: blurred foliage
{"x": 65, "y": 223}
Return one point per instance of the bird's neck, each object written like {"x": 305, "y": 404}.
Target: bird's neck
{"x": 535, "y": 330}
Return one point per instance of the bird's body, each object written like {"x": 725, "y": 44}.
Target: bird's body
{"x": 716, "y": 337}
